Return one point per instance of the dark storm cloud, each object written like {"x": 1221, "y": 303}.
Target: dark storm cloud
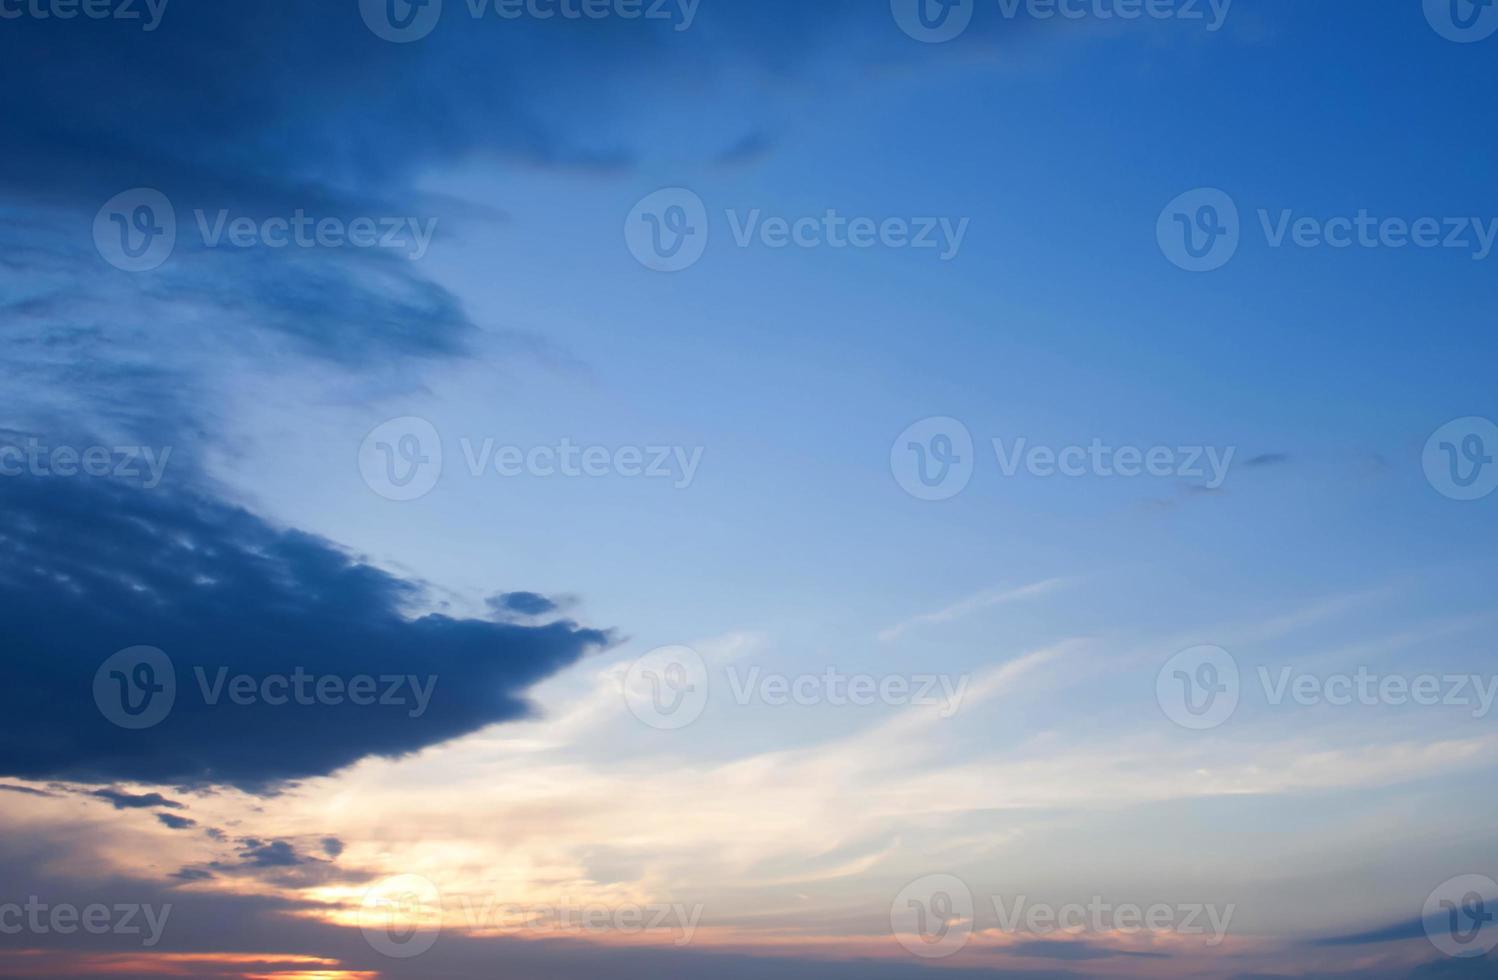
{"x": 90, "y": 568}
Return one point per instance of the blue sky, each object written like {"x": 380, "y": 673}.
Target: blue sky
{"x": 788, "y": 377}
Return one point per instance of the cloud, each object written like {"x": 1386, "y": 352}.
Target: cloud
{"x": 970, "y": 605}
{"x": 133, "y": 801}
{"x": 275, "y": 854}
{"x": 175, "y": 822}
{"x": 88, "y": 568}
{"x": 1074, "y": 950}
{"x": 524, "y": 603}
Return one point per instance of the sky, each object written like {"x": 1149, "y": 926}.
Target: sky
{"x": 877, "y": 488}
